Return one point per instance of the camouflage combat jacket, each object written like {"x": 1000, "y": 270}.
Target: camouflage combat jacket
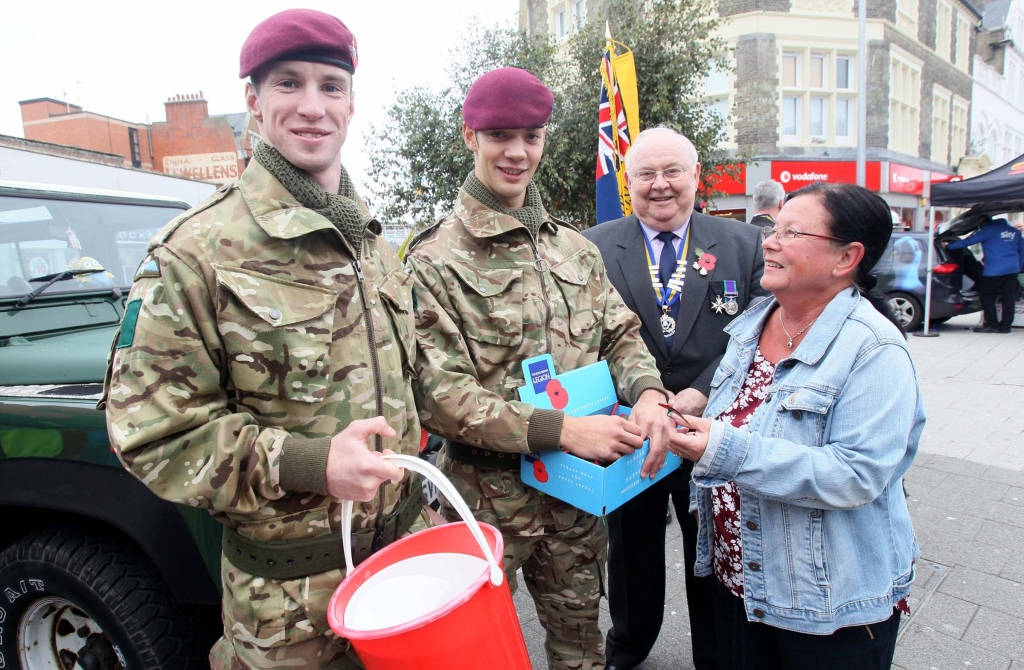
{"x": 251, "y": 331}
{"x": 489, "y": 297}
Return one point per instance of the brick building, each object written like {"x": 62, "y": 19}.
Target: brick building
{"x": 190, "y": 143}
{"x": 56, "y": 122}
{"x": 790, "y": 96}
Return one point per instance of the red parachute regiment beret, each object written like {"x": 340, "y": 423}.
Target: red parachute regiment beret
{"x": 299, "y": 34}
{"x": 507, "y": 98}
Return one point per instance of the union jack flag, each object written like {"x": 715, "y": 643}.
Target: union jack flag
{"x": 608, "y": 156}
{"x": 612, "y": 145}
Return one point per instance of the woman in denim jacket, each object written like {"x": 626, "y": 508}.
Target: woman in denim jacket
{"x": 815, "y": 414}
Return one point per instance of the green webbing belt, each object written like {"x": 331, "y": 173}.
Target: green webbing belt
{"x": 292, "y": 559}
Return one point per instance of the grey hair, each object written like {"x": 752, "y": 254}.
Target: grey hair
{"x": 768, "y": 193}
{"x": 654, "y": 133}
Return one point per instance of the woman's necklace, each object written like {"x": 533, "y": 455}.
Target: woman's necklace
{"x": 798, "y": 333}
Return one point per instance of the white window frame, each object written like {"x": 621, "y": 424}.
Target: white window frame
{"x": 904, "y": 105}
{"x": 806, "y": 98}
{"x": 942, "y": 110}
{"x": 906, "y": 16}
{"x": 561, "y": 24}
{"x": 579, "y": 10}
{"x": 958, "y": 129}
{"x": 944, "y": 30}
{"x": 849, "y": 104}
{"x": 963, "y": 42}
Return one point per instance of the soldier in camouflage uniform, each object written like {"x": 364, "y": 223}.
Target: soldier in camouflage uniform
{"x": 266, "y": 356}
{"x": 499, "y": 281}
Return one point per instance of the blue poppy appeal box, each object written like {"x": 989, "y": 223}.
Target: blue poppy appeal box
{"x": 591, "y": 487}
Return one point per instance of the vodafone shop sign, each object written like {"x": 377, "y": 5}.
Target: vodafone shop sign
{"x": 794, "y": 175}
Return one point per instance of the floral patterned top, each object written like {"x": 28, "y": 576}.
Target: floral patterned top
{"x": 727, "y": 552}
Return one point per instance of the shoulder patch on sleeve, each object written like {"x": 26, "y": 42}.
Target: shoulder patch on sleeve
{"x": 176, "y": 222}
{"x": 131, "y": 316}
{"x": 149, "y": 267}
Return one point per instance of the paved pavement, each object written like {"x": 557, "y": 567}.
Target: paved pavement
{"x": 966, "y": 492}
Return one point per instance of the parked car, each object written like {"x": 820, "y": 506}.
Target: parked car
{"x": 901, "y": 275}
{"x": 95, "y": 570}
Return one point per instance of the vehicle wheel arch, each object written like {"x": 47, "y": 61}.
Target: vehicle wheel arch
{"x": 106, "y": 502}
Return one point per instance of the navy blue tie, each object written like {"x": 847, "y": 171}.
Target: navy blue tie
{"x": 667, "y": 263}
{"x": 666, "y": 268}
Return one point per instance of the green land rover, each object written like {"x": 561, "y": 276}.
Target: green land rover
{"x": 95, "y": 571}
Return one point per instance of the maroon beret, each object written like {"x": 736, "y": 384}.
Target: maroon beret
{"x": 299, "y": 34}
{"x": 507, "y": 98}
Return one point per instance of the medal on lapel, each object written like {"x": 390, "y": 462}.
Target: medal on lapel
{"x": 718, "y": 305}
{"x": 731, "y": 306}
{"x": 667, "y": 296}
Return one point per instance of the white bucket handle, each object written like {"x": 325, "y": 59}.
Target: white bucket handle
{"x": 444, "y": 486}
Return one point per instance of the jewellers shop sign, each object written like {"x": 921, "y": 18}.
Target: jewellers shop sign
{"x": 794, "y": 175}
{"x": 219, "y": 167}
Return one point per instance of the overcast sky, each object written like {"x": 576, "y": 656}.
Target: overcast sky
{"x": 125, "y": 58}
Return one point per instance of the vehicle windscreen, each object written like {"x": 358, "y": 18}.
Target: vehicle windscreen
{"x": 41, "y": 236}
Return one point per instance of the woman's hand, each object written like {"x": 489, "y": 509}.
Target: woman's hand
{"x": 691, "y": 439}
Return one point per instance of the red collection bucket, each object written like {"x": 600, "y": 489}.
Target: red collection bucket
{"x": 427, "y": 600}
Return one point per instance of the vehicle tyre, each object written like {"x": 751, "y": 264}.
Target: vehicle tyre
{"x": 907, "y": 310}
{"x": 70, "y": 600}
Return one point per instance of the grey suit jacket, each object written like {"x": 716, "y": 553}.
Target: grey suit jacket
{"x": 699, "y": 341}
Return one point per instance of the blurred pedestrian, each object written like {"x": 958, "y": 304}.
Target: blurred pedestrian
{"x": 769, "y": 197}
{"x": 1003, "y": 247}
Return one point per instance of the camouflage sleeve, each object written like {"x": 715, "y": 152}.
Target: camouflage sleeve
{"x": 451, "y": 400}
{"x": 167, "y": 409}
{"x": 632, "y": 366}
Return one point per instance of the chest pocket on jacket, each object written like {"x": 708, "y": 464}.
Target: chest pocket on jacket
{"x": 573, "y": 278}
{"x": 807, "y": 409}
{"x": 490, "y": 302}
{"x": 396, "y": 292}
{"x": 277, "y": 334}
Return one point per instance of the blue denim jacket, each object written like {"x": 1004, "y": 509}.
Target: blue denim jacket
{"x": 826, "y": 533}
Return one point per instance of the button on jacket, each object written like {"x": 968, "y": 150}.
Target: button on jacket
{"x": 819, "y": 470}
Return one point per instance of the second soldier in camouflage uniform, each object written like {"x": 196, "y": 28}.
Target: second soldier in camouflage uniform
{"x": 266, "y": 355}
{"x": 499, "y": 281}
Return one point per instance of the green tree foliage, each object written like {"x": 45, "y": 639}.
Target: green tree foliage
{"x": 419, "y": 161}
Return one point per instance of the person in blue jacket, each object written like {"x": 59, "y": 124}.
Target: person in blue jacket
{"x": 1004, "y": 255}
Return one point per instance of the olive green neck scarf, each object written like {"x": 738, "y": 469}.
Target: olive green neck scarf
{"x": 342, "y": 209}
{"x": 531, "y": 214}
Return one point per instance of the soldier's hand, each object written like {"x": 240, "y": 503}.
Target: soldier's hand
{"x": 654, "y": 424}
{"x": 354, "y": 471}
{"x": 599, "y": 438}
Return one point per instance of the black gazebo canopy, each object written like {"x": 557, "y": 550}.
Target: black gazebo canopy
{"x": 1000, "y": 190}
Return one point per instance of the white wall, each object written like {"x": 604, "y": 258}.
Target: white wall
{"x": 30, "y": 166}
{"x": 997, "y": 111}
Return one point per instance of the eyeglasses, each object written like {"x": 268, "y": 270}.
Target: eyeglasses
{"x": 787, "y": 235}
{"x": 670, "y": 174}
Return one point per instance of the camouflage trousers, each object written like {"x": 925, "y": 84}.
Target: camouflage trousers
{"x": 561, "y": 550}
{"x": 270, "y": 623}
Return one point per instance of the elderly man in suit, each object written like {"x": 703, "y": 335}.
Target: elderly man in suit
{"x": 686, "y": 275}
